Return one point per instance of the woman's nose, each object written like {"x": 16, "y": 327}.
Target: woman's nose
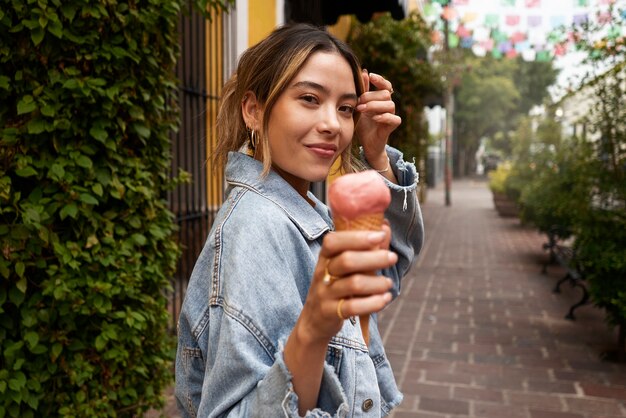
{"x": 329, "y": 121}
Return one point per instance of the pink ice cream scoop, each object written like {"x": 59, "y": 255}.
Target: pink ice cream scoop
{"x": 358, "y": 202}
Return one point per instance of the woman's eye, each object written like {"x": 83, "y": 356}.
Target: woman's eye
{"x": 347, "y": 109}
{"x": 309, "y": 98}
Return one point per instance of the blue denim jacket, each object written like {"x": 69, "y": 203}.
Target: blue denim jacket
{"x": 248, "y": 288}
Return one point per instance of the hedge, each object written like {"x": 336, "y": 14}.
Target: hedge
{"x": 87, "y": 103}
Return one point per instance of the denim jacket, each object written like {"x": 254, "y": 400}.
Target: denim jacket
{"x": 247, "y": 290}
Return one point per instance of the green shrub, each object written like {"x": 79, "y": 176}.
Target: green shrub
{"x": 86, "y": 107}
{"x": 498, "y": 178}
{"x": 559, "y": 190}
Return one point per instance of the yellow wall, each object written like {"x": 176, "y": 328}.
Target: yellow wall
{"x": 341, "y": 29}
{"x": 261, "y": 19}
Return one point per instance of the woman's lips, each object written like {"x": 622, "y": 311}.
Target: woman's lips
{"x": 322, "y": 150}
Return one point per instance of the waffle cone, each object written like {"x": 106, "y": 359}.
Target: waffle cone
{"x": 369, "y": 222}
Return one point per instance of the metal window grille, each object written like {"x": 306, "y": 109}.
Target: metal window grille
{"x": 200, "y": 77}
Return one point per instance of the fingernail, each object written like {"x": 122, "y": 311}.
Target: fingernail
{"x": 392, "y": 257}
{"x": 374, "y": 75}
{"x": 361, "y": 107}
{"x": 376, "y": 236}
{"x": 387, "y": 297}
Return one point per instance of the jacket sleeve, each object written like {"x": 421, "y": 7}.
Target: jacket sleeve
{"x": 404, "y": 215}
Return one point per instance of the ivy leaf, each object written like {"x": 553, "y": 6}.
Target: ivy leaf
{"x": 69, "y": 210}
{"x": 89, "y": 199}
{"x": 99, "y": 133}
{"x": 32, "y": 338}
{"x": 55, "y": 28}
{"x": 26, "y": 171}
{"x": 4, "y": 81}
{"x": 84, "y": 162}
{"x": 26, "y": 105}
{"x": 20, "y": 268}
{"x": 36, "y": 35}
{"x": 36, "y": 126}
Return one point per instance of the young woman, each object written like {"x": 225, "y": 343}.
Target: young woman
{"x": 261, "y": 333}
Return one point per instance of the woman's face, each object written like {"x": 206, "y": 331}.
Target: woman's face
{"x": 312, "y": 121}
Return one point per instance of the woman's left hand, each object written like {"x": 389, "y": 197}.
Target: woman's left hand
{"x": 377, "y": 120}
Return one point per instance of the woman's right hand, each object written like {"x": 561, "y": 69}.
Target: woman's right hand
{"x": 351, "y": 258}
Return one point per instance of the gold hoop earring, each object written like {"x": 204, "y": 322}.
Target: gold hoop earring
{"x": 253, "y": 138}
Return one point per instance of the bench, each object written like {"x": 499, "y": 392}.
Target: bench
{"x": 563, "y": 254}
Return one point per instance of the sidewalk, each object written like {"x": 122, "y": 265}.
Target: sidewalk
{"x": 477, "y": 331}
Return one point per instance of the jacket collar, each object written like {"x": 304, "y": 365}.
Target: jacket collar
{"x": 244, "y": 171}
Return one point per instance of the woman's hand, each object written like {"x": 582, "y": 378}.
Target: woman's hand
{"x": 350, "y": 258}
{"x": 377, "y": 120}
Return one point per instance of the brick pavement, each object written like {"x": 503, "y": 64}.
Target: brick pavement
{"x": 477, "y": 331}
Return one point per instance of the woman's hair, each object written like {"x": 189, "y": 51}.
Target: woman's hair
{"x": 266, "y": 69}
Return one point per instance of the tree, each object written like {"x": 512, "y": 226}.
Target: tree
{"x": 491, "y": 98}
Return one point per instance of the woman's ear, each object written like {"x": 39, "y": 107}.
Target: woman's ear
{"x": 251, "y": 111}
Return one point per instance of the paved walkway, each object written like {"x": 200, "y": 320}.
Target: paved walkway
{"x": 477, "y": 331}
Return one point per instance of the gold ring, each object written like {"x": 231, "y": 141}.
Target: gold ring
{"x": 328, "y": 279}
{"x": 339, "y": 313}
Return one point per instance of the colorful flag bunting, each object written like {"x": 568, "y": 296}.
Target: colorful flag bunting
{"x": 557, "y": 21}
{"x": 522, "y": 46}
{"x": 463, "y": 32}
{"x": 496, "y": 53}
{"x": 543, "y": 56}
{"x": 604, "y": 17}
{"x": 511, "y": 53}
{"x": 581, "y": 3}
{"x": 449, "y": 13}
{"x": 492, "y": 20}
{"x": 453, "y": 40}
{"x": 533, "y": 3}
{"x": 505, "y": 46}
{"x": 460, "y": 2}
{"x": 467, "y": 42}
{"x": 469, "y": 17}
{"x": 512, "y": 20}
{"x": 507, "y": 3}
{"x": 534, "y": 21}
{"x": 580, "y": 19}
{"x": 518, "y": 37}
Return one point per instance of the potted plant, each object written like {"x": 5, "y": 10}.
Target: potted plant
{"x": 503, "y": 199}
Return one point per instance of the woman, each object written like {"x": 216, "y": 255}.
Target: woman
{"x": 261, "y": 333}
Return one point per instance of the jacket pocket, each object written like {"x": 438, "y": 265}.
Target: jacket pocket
{"x": 334, "y": 355}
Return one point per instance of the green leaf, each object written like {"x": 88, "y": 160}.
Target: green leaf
{"x": 48, "y": 110}
{"x": 142, "y": 130}
{"x": 84, "y": 161}
{"x": 56, "y": 350}
{"x": 36, "y": 126}
{"x": 99, "y": 133}
{"x": 20, "y": 268}
{"x": 69, "y": 210}
{"x": 22, "y": 284}
{"x": 32, "y": 338}
{"x": 55, "y": 28}
{"x": 89, "y": 199}
{"x": 4, "y": 81}
{"x": 37, "y": 35}
{"x": 26, "y": 105}
{"x": 26, "y": 171}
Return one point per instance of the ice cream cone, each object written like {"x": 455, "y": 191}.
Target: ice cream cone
{"x": 368, "y": 222}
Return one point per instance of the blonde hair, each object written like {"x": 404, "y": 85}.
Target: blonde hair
{"x": 266, "y": 69}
